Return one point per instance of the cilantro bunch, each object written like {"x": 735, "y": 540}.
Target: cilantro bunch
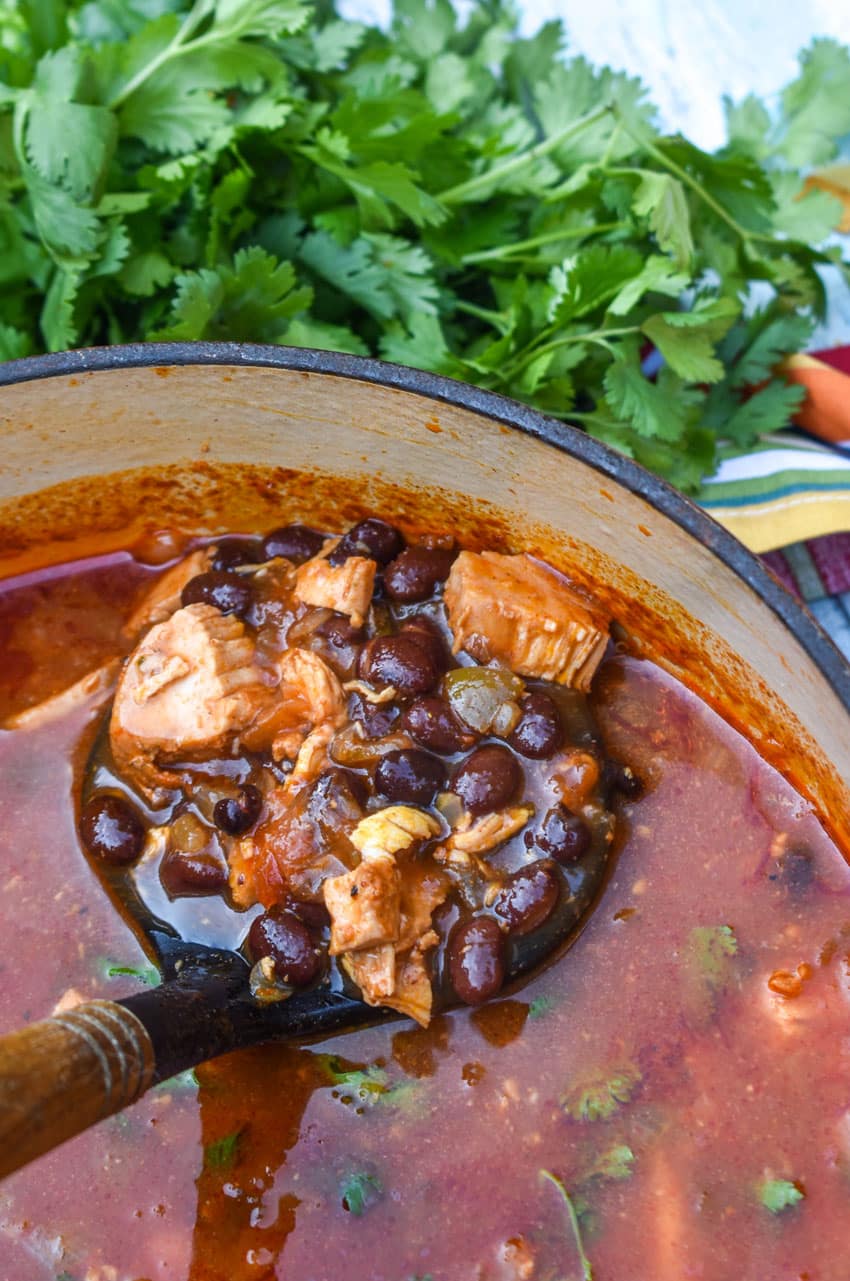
{"x": 443, "y": 194}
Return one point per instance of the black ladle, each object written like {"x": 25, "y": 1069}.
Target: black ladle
{"x": 61, "y": 1075}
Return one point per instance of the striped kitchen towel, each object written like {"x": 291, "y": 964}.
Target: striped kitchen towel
{"x": 796, "y": 484}
{"x": 789, "y": 498}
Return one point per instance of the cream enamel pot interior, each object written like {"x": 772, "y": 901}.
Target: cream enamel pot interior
{"x": 213, "y": 436}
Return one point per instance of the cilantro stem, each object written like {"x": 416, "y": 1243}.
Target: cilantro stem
{"x": 463, "y": 190}
{"x": 178, "y": 45}
{"x": 587, "y": 1270}
{"x": 696, "y": 187}
{"x": 599, "y": 336}
{"x": 494, "y": 318}
{"x": 547, "y": 238}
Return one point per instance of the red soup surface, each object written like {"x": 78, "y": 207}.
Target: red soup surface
{"x": 670, "y": 1100}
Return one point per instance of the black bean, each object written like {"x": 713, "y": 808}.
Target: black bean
{"x": 622, "y": 778}
{"x": 296, "y": 542}
{"x": 377, "y": 719}
{"x": 314, "y": 914}
{"x": 280, "y": 934}
{"x": 398, "y": 661}
{"x": 230, "y": 593}
{"x": 182, "y": 873}
{"x": 231, "y": 552}
{"x": 426, "y": 633}
{"x": 538, "y": 733}
{"x": 563, "y": 835}
{"x": 528, "y": 897}
{"x": 414, "y": 575}
{"x": 235, "y": 814}
{"x": 433, "y": 724}
{"x": 488, "y": 779}
{"x": 372, "y": 538}
{"x": 410, "y": 775}
{"x": 339, "y": 644}
{"x": 475, "y": 956}
{"x": 112, "y": 829}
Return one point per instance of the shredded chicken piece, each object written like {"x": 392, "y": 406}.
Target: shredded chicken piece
{"x": 190, "y": 687}
{"x": 393, "y": 829}
{"x": 412, "y": 993}
{"x": 512, "y": 609}
{"x": 422, "y": 891}
{"x": 162, "y": 600}
{"x": 309, "y": 698}
{"x": 346, "y": 588}
{"x": 373, "y": 970}
{"x": 401, "y": 982}
{"x": 466, "y": 843}
{"x": 381, "y": 911}
{"x": 93, "y": 690}
{"x": 365, "y": 905}
{"x": 376, "y": 696}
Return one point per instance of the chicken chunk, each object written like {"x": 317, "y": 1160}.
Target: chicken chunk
{"x": 189, "y": 688}
{"x": 365, "y": 905}
{"x": 309, "y": 698}
{"x": 373, "y": 970}
{"x": 346, "y": 588}
{"x": 162, "y": 600}
{"x": 513, "y": 610}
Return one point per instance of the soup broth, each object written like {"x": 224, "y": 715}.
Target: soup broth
{"x": 668, "y": 1100}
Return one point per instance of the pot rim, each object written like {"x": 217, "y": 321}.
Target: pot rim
{"x": 511, "y": 413}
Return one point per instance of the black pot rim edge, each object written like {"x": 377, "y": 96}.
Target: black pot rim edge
{"x": 658, "y": 493}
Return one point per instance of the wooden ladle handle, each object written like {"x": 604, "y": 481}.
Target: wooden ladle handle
{"x": 61, "y": 1075}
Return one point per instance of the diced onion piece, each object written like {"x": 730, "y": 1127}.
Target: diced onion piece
{"x": 265, "y": 985}
{"x": 485, "y": 698}
{"x": 350, "y": 748}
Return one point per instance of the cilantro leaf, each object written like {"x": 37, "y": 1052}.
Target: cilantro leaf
{"x": 14, "y": 343}
{"x": 708, "y": 969}
{"x": 169, "y": 115}
{"x": 777, "y": 1195}
{"x": 601, "y": 1094}
{"x": 387, "y": 276}
{"x": 223, "y": 1153}
{"x": 249, "y": 301}
{"x": 615, "y": 1164}
{"x": 662, "y": 199}
{"x": 585, "y": 281}
{"x": 652, "y": 409}
{"x": 686, "y": 338}
{"x": 765, "y": 411}
{"x": 817, "y": 105}
{"x": 146, "y": 974}
{"x": 360, "y": 1190}
{"x": 769, "y": 337}
{"x": 540, "y": 1006}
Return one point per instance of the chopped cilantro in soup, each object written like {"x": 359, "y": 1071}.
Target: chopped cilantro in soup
{"x": 669, "y": 1100}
